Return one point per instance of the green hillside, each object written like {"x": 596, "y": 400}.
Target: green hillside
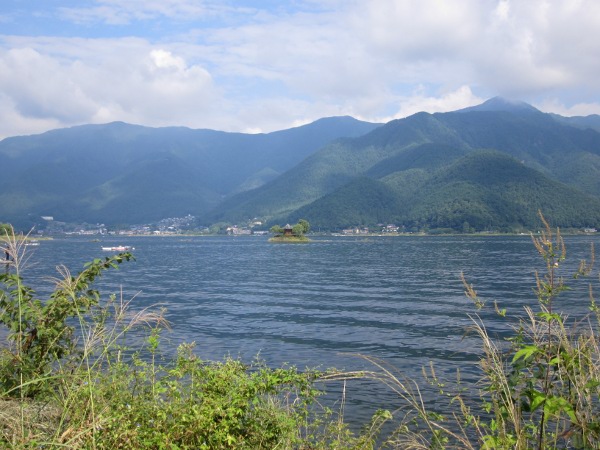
{"x": 427, "y": 171}
{"x": 490, "y": 190}
{"x": 119, "y": 173}
{"x": 361, "y": 202}
{"x": 484, "y": 190}
{"x": 488, "y": 167}
{"x": 332, "y": 167}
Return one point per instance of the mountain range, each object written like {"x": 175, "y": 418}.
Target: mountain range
{"x": 128, "y": 174}
{"x": 488, "y": 167}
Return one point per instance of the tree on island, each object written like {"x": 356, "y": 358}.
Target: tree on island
{"x": 298, "y": 230}
{"x": 276, "y": 229}
{"x": 301, "y": 228}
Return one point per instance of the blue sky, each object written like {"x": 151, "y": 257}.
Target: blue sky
{"x": 260, "y": 66}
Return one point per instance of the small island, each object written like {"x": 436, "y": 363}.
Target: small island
{"x": 291, "y": 234}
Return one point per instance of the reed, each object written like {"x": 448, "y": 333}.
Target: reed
{"x": 539, "y": 388}
{"x": 71, "y": 376}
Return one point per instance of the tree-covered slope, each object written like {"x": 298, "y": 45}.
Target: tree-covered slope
{"x": 333, "y": 166}
{"x": 491, "y": 190}
{"x": 484, "y": 190}
{"x": 408, "y": 154}
{"x": 570, "y": 154}
{"x": 361, "y": 202}
{"x": 113, "y": 173}
{"x": 592, "y": 121}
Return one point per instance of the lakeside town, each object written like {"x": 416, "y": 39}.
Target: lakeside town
{"x": 188, "y": 225}
{"x": 185, "y": 225}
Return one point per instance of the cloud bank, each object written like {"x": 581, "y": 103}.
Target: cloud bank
{"x": 261, "y": 66}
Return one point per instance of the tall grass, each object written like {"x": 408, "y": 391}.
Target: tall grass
{"x": 538, "y": 389}
{"x": 70, "y": 377}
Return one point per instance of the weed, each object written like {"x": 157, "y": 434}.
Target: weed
{"x": 538, "y": 389}
{"x": 70, "y": 380}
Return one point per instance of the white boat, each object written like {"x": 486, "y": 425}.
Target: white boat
{"x": 118, "y": 248}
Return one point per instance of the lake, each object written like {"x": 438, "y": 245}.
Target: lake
{"x": 319, "y": 304}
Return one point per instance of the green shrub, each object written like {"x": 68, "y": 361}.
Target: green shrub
{"x": 68, "y": 387}
{"x": 191, "y": 403}
{"x": 538, "y": 389}
{"x": 39, "y": 333}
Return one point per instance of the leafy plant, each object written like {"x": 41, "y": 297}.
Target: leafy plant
{"x": 539, "y": 388}
{"x": 6, "y": 230}
{"x": 40, "y": 332}
{"x": 69, "y": 379}
{"x": 191, "y": 403}
{"x": 544, "y": 391}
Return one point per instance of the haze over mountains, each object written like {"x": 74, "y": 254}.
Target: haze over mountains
{"x": 125, "y": 174}
{"x": 487, "y": 167}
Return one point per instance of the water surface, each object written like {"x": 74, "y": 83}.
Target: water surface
{"x": 319, "y": 304}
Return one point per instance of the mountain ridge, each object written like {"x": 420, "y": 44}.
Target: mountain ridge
{"x": 563, "y": 153}
{"x": 119, "y": 173}
{"x": 69, "y": 166}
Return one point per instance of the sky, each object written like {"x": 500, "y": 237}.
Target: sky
{"x": 263, "y": 65}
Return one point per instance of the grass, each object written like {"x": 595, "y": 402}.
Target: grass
{"x": 71, "y": 378}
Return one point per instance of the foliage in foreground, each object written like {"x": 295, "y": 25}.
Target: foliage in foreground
{"x": 540, "y": 388}
{"x": 69, "y": 379}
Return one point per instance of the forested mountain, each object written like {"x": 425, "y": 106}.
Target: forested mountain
{"x": 487, "y": 167}
{"x": 583, "y": 122}
{"x": 482, "y": 190}
{"x": 123, "y": 174}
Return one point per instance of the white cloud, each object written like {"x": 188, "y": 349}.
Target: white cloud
{"x": 502, "y": 9}
{"x": 137, "y": 83}
{"x": 578, "y": 109}
{"x": 417, "y": 31}
{"x": 448, "y": 101}
{"x": 539, "y": 47}
{"x": 40, "y": 88}
{"x": 163, "y": 59}
{"x": 13, "y": 123}
{"x": 222, "y": 65}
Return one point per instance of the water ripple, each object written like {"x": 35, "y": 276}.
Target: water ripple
{"x": 312, "y": 305}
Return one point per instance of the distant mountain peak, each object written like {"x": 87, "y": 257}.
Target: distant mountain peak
{"x": 502, "y": 104}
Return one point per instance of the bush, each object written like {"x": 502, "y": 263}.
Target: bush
{"x": 68, "y": 379}
{"x": 538, "y": 389}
